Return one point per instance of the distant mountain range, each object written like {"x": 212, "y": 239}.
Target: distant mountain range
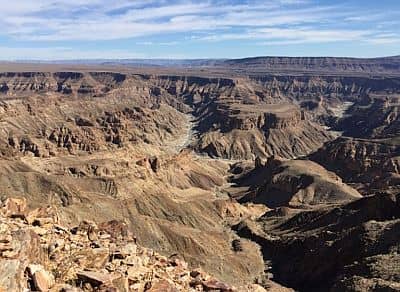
{"x": 387, "y": 65}
{"x": 135, "y": 62}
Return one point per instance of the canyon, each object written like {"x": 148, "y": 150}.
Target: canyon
{"x": 260, "y": 174}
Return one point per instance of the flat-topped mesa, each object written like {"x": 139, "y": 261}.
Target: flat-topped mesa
{"x": 26, "y": 81}
{"x": 279, "y": 120}
{"x": 387, "y": 65}
{"x": 236, "y": 130}
{"x": 263, "y": 117}
{"x": 62, "y": 82}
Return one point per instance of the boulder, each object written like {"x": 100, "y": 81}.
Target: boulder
{"x": 117, "y": 229}
{"x": 162, "y": 286}
{"x": 125, "y": 251}
{"x": 14, "y": 207}
{"x": 22, "y": 249}
{"x": 96, "y": 279}
{"x": 212, "y": 284}
{"x": 41, "y": 279}
{"x": 42, "y": 216}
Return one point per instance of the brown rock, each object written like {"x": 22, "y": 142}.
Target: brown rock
{"x": 116, "y": 229}
{"x": 258, "y": 288}
{"x": 162, "y": 286}
{"x": 135, "y": 273}
{"x": 85, "y": 227}
{"x": 42, "y": 280}
{"x": 107, "y": 289}
{"x": 121, "y": 284}
{"x": 66, "y": 288}
{"x": 155, "y": 163}
{"x": 258, "y": 163}
{"x": 126, "y": 251}
{"x": 270, "y": 287}
{"x": 92, "y": 235}
{"x": 13, "y": 207}
{"x": 179, "y": 263}
{"x": 42, "y": 216}
{"x": 194, "y": 273}
{"x": 96, "y": 278}
{"x": 97, "y": 257}
{"x": 24, "y": 248}
{"x": 142, "y": 162}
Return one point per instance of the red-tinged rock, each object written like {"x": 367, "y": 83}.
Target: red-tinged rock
{"x": 116, "y": 229}
{"x": 213, "y": 284}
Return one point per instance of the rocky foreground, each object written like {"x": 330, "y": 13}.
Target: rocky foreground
{"x": 38, "y": 254}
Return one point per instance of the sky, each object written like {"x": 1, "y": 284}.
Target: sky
{"x": 184, "y": 29}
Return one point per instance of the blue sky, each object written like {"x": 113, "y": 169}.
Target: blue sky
{"x": 81, "y": 29}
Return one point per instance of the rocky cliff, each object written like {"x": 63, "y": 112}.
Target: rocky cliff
{"x": 375, "y": 116}
{"x": 373, "y": 163}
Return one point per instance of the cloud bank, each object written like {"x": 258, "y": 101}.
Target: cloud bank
{"x": 45, "y": 24}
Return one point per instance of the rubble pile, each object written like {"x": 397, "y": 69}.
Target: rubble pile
{"x": 38, "y": 254}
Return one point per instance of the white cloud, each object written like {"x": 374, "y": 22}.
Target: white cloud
{"x": 296, "y": 35}
{"x": 385, "y": 40}
{"x": 56, "y": 20}
{"x": 313, "y": 35}
{"x": 273, "y": 22}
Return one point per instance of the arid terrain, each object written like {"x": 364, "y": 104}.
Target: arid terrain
{"x": 259, "y": 174}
